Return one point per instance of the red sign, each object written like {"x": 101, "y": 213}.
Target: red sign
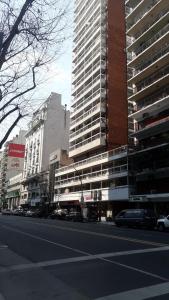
{"x": 16, "y": 150}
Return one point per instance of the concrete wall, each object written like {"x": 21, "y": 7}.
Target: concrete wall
{"x": 117, "y": 107}
{"x": 56, "y": 129}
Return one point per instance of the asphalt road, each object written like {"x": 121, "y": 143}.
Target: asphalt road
{"x": 47, "y": 259}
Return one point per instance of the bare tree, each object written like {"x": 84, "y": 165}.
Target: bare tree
{"x": 32, "y": 33}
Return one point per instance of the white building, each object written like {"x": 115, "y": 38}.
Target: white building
{"x": 47, "y": 132}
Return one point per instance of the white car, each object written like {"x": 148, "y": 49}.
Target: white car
{"x": 163, "y": 223}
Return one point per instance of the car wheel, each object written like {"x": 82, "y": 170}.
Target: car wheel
{"x": 161, "y": 227}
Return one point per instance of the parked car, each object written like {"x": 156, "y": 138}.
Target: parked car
{"x": 136, "y": 218}
{"x": 29, "y": 213}
{"x": 74, "y": 216}
{"x": 163, "y": 223}
{"x": 6, "y": 211}
{"x": 59, "y": 214}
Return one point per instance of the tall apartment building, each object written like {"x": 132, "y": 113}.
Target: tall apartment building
{"x": 147, "y": 25}
{"x": 99, "y": 125}
{"x": 12, "y": 161}
{"x": 48, "y": 131}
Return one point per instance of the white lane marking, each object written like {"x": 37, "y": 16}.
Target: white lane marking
{"x": 136, "y": 269}
{"x": 45, "y": 240}
{"x": 86, "y": 258}
{"x": 89, "y": 256}
{"x": 3, "y": 247}
{"x": 141, "y": 293}
{"x": 110, "y": 236}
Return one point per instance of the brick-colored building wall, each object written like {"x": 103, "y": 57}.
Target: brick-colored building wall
{"x": 117, "y": 107}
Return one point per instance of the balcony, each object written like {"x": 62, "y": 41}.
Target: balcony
{"x": 158, "y": 59}
{"x": 149, "y": 89}
{"x": 105, "y": 174}
{"x": 98, "y": 123}
{"x": 148, "y": 30}
{"x": 84, "y": 103}
{"x": 112, "y": 155}
{"x": 139, "y": 12}
{"x": 91, "y": 87}
{"x": 88, "y": 76}
{"x": 152, "y": 45}
{"x": 153, "y": 78}
{"x": 93, "y": 142}
{"x": 90, "y": 113}
{"x": 153, "y": 128}
{"x": 154, "y": 107}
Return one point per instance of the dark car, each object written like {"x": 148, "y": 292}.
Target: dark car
{"x": 136, "y": 218}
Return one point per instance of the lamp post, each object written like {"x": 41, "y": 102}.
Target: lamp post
{"x": 81, "y": 184}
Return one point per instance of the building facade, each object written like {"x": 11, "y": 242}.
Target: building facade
{"x": 48, "y": 131}
{"x": 12, "y": 161}
{"x": 148, "y": 63}
{"x": 99, "y": 125}
{"x": 13, "y": 196}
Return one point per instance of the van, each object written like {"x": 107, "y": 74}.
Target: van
{"x": 136, "y": 218}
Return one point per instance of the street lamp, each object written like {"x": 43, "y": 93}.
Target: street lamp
{"x": 81, "y": 184}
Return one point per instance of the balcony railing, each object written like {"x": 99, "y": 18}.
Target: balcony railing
{"x": 94, "y": 68}
{"x": 148, "y": 25}
{"x": 85, "y": 100}
{"x": 87, "y": 141}
{"x": 92, "y": 176}
{"x": 89, "y": 85}
{"x": 151, "y": 79}
{"x": 83, "y": 129}
{"x": 99, "y": 157}
{"x": 141, "y": 14}
{"x": 161, "y": 52}
{"x": 89, "y": 112}
{"x": 151, "y": 41}
{"x": 163, "y": 93}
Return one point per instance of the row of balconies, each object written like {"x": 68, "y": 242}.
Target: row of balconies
{"x": 89, "y": 61}
{"x": 151, "y": 79}
{"x": 163, "y": 51}
{"x": 100, "y": 107}
{"x": 104, "y": 174}
{"x": 85, "y": 37}
{"x": 99, "y": 80}
{"x": 87, "y": 142}
{"x": 148, "y": 43}
{"x": 98, "y": 123}
{"x": 90, "y": 51}
{"x": 139, "y": 11}
{"x": 86, "y": 8}
{"x": 89, "y": 76}
{"x": 86, "y": 43}
{"x": 87, "y": 12}
{"x": 150, "y": 89}
{"x": 88, "y": 72}
{"x": 87, "y": 101}
{"x": 148, "y": 27}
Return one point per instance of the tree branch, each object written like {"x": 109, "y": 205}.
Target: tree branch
{"x": 14, "y": 31}
{"x": 8, "y": 113}
{"x": 22, "y": 93}
{"x": 20, "y": 116}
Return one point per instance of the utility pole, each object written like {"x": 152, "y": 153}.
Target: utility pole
{"x": 81, "y": 185}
